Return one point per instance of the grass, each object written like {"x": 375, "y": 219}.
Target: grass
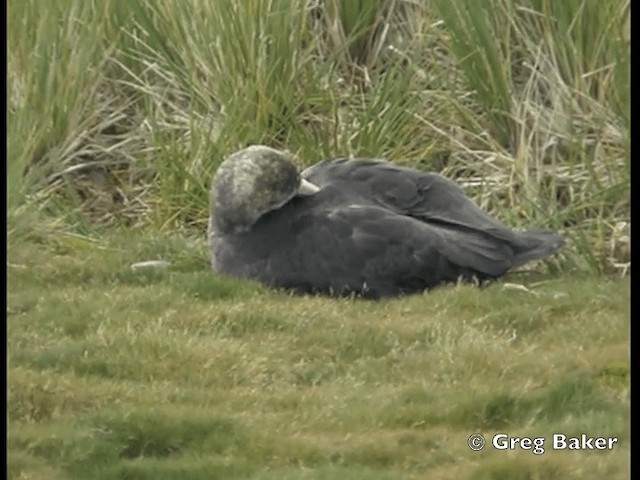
{"x": 178, "y": 373}
{"x": 118, "y": 114}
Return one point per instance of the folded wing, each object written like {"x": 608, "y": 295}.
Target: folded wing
{"x": 373, "y": 251}
{"x": 430, "y": 198}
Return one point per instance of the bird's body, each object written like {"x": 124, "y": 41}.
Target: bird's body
{"x": 372, "y": 229}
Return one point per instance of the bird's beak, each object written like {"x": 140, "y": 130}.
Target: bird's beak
{"x": 307, "y": 188}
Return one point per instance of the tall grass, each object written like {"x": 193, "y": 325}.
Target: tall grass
{"x": 119, "y": 112}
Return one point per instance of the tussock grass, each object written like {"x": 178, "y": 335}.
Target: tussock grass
{"x": 119, "y": 113}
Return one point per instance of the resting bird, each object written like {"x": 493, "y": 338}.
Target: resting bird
{"x": 355, "y": 226}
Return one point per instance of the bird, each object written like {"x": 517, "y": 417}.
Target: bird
{"x": 363, "y": 227}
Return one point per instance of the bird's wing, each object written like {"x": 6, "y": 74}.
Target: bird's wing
{"x": 429, "y": 197}
{"x": 356, "y": 248}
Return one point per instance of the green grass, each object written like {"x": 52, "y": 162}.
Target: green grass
{"x": 179, "y": 373}
{"x": 119, "y": 113}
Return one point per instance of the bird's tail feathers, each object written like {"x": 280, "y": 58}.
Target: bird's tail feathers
{"x": 536, "y": 244}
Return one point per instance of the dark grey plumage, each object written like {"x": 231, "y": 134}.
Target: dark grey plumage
{"x": 355, "y": 226}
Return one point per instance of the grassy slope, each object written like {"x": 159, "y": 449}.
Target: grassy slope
{"x": 180, "y": 374}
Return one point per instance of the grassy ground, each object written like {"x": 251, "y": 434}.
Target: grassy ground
{"x": 118, "y": 114}
{"x": 180, "y": 374}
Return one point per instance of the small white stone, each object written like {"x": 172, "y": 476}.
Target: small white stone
{"x": 519, "y": 287}
{"x": 151, "y": 264}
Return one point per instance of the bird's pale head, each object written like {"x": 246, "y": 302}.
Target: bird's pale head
{"x": 250, "y": 183}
